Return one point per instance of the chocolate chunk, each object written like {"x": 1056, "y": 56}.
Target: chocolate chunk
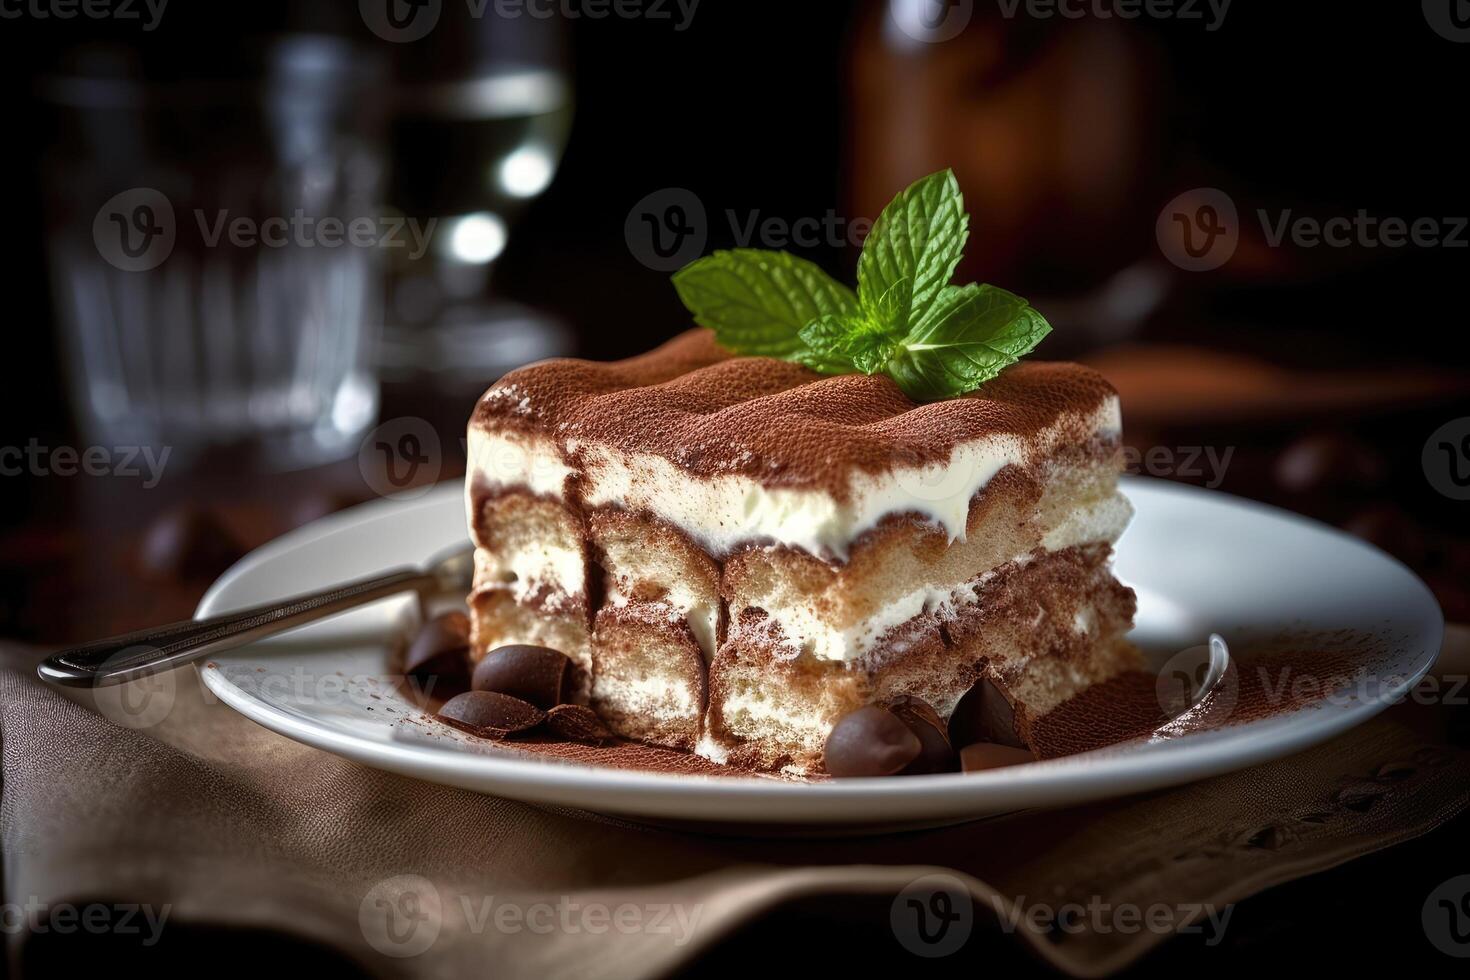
{"x": 539, "y": 675}
{"x": 441, "y": 648}
{"x": 188, "y": 544}
{"x": 988, "y": 755}
{"x": 491, "y": 715}
{"x": 935, "y": 753}
{"x": 578, "y": 723}
{"x": 984, "y": 715}
{"x": 870, "y": 741}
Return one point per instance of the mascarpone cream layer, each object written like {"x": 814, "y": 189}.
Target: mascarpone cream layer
{"x": 723, "y": 512}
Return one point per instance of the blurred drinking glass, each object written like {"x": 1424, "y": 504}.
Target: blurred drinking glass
{"x": 481, "y": 112}
{"x": 215, "y": 249}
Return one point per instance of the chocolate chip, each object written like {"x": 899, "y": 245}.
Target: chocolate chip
{"x": 491, "y": 715}
{"x": 536, "y": 674}
{"x": 441, "y": 648}
{"x": 988, "y": 755}
{"x": 984, "y": 715}
{"x": 188, "y": 544}
{"x": 935, "y": 753}
{"x": 870, "y": 741}
{"x": 578, "y": 723}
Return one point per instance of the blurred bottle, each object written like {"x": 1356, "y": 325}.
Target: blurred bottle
{"x": 482, "y": 106}
{"x": 1052, "y": 130}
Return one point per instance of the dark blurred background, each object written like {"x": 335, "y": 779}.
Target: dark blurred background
{"x": 1101, "y": 158}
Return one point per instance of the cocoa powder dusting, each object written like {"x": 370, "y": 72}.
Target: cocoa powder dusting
{"x": 1267, "y": 678}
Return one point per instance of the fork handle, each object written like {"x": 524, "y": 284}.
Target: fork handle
{"x": 149, "y": 651}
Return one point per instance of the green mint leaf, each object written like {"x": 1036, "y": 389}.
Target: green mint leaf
{"x": 969, "y": 335}
{"x": 913, "y": 250}
{"x": 935, "y": 340}
{"x": 757, "y": 301}
{"x": 847, "y": 343}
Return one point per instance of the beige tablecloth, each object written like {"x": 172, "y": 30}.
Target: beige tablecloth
{"x": 204, "y": 818}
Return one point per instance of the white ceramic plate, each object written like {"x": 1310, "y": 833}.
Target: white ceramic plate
{"x": 1200, "y": 561}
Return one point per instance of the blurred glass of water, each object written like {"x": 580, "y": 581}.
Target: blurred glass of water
{"x": 216, "y": 250}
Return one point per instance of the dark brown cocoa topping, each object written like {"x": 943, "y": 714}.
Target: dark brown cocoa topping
{"x": 984, "y": 714}
{"x": 870, "y": 741}
{"x": 710, "y": 413}
{"x": 578, "y": 723}
{"x": 988, "y": 755}
{"x": 935, "y": 752}
{"x": 491, "y": 715}
{"x": 441, "y": 648}
{"x": 535, "y": 674}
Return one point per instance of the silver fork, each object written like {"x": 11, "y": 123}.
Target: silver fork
{"x": 149, "y": 651}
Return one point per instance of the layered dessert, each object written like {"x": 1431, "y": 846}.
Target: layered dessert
{"x": 737, "y": 553}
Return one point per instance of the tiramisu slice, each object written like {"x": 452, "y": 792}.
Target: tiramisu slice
{"x": 738, "y": 551}
{"x": 874, "y": 514}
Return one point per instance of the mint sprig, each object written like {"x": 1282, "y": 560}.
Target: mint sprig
{"x": 934, "y": 339}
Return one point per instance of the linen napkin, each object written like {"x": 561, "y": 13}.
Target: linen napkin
{"x": 203, "y": 820}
